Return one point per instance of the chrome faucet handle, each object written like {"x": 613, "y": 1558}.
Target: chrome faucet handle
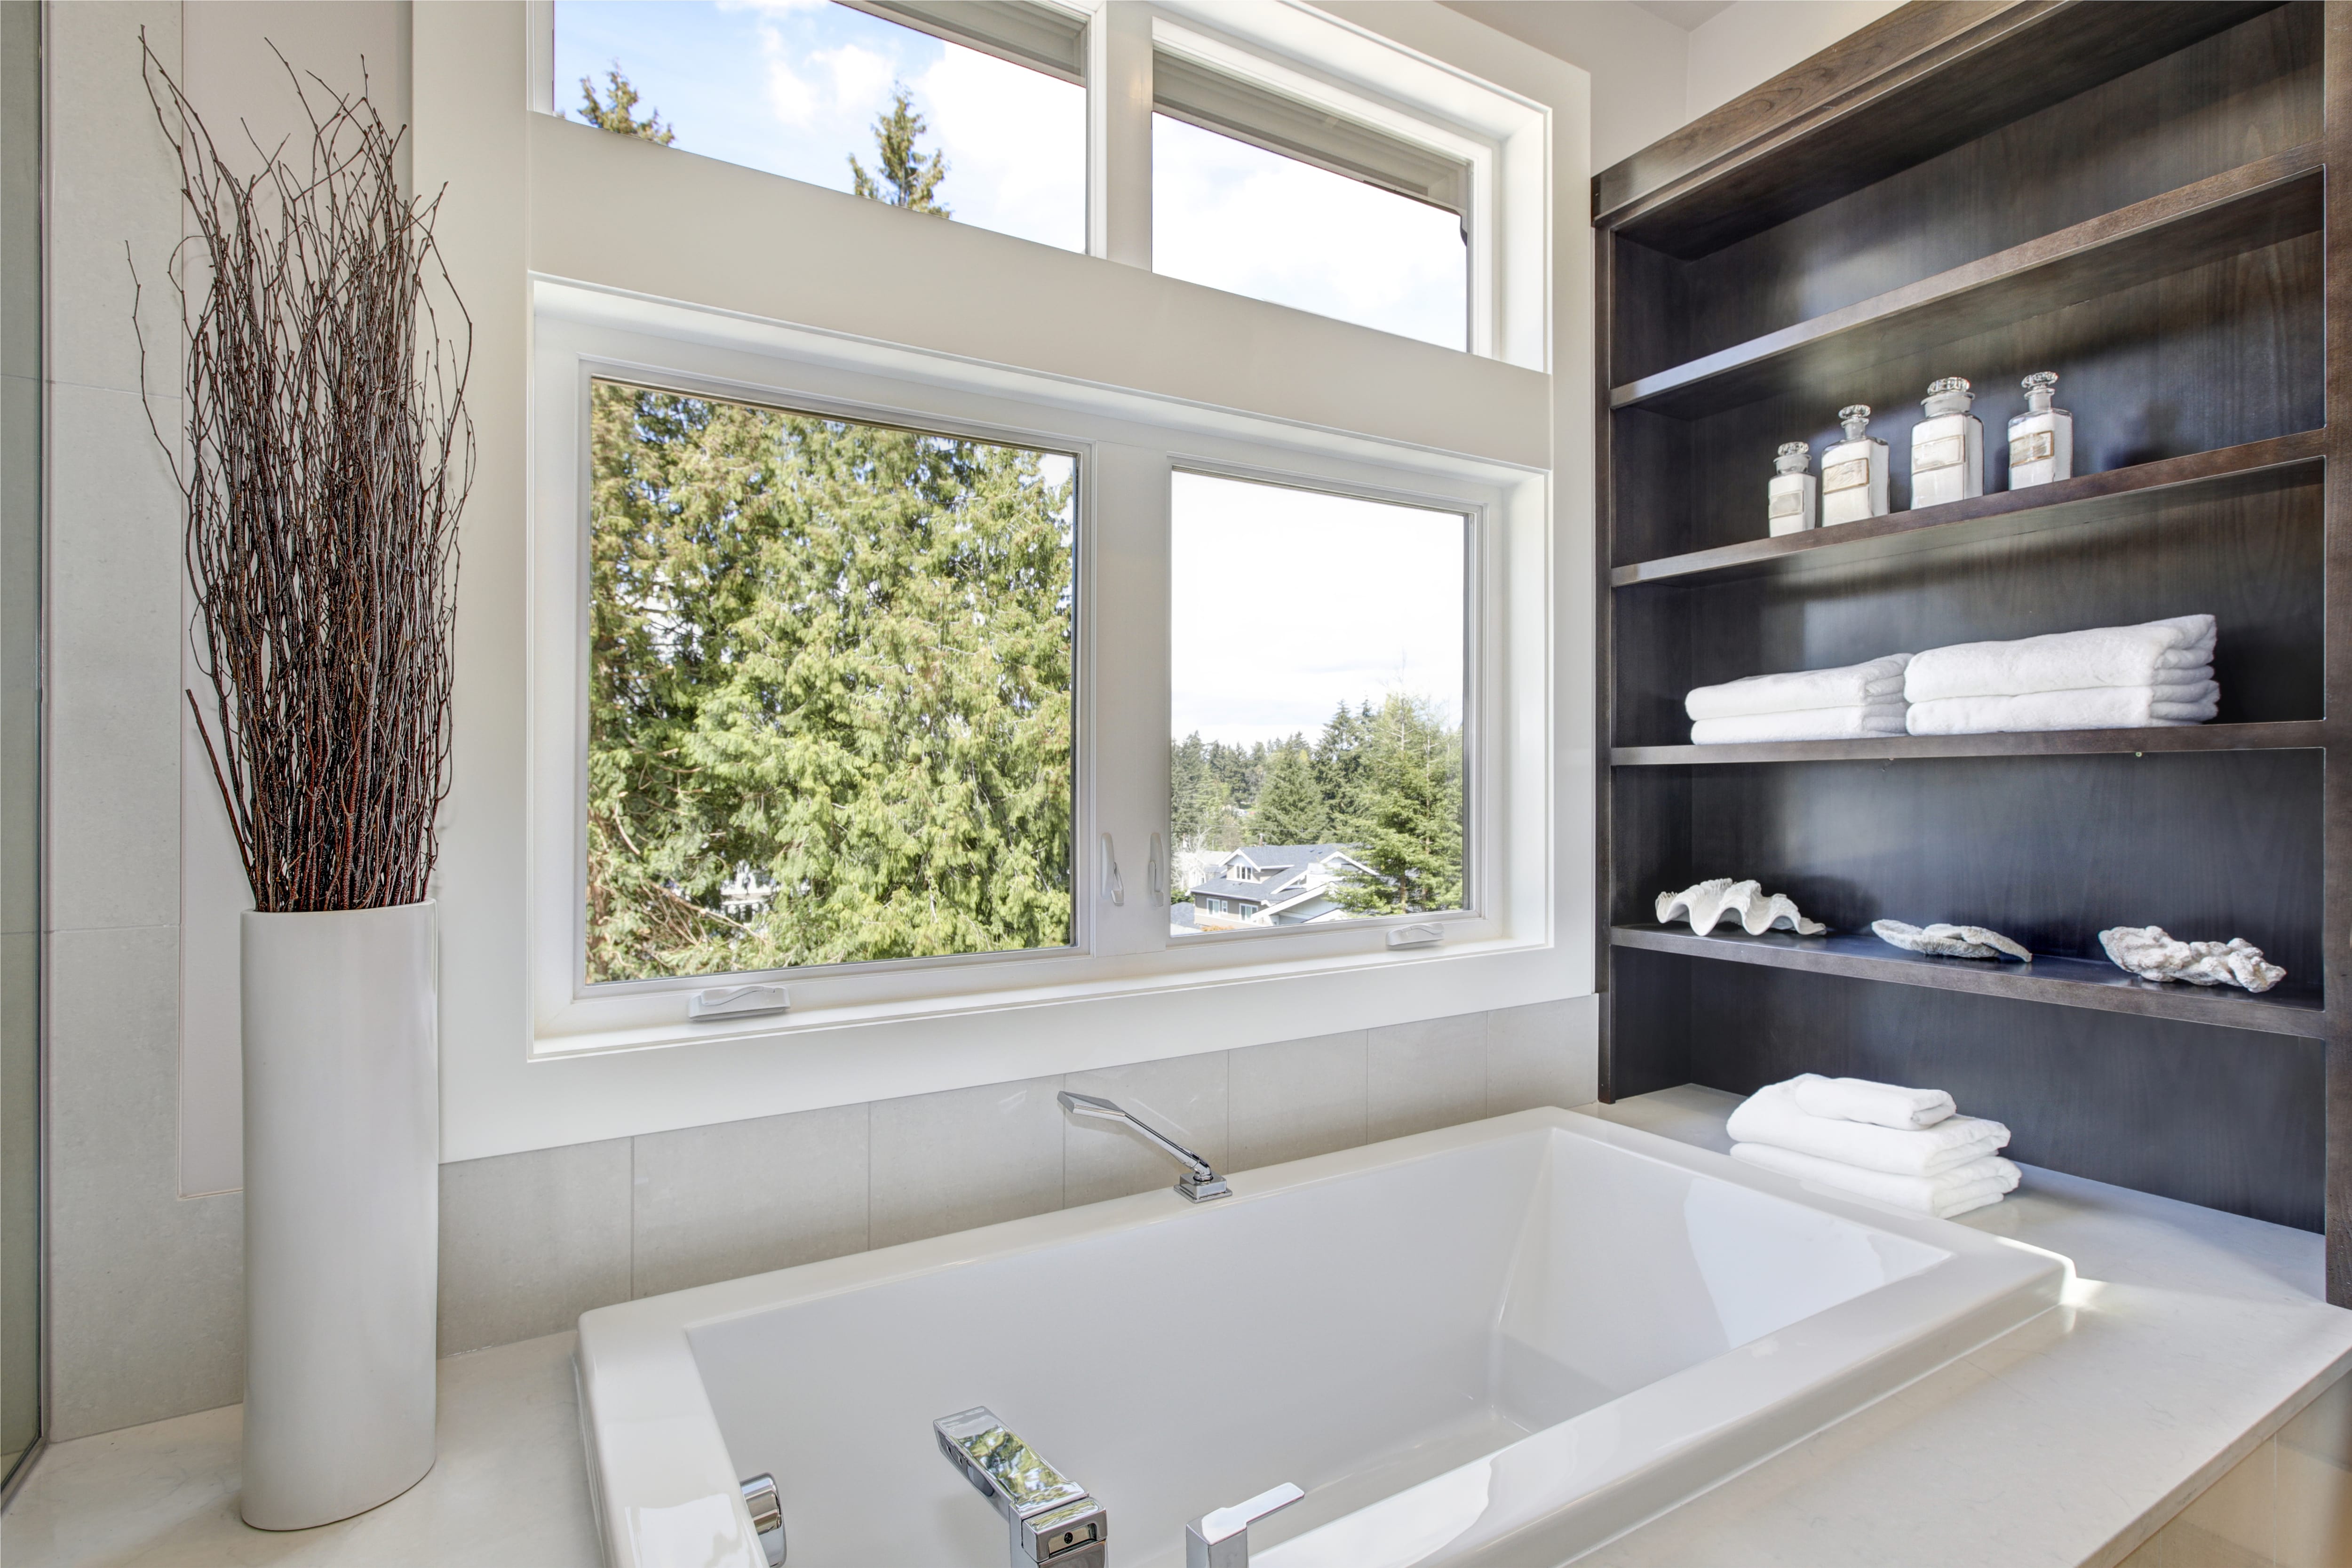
{"x": 767, "y": 1517}
{"x": 1198, "y": 1182}
{"x": 1050, "y": 1518}
{"x": 1220, "y": 1538}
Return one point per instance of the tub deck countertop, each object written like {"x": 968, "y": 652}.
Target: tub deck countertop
{"x": 2197, "y": 1348}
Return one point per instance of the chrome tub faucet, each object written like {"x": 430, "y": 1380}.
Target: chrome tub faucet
{"x": 1049, "y": 1518}
{"x": 1199, "y": 1183}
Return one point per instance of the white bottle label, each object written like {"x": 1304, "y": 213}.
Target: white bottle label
{"x": 1944, "y": 452}
{"x": 1850, "y": 475}
{"x": 2038, "y": 446}
{"x": 1788, "y": 503}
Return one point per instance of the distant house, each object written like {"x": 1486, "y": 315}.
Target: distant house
{"x": 1276, "y": 884}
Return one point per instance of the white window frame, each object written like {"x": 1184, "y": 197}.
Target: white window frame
{"x": 800, "y": 294}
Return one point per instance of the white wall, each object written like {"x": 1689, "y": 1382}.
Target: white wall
{"x": 1756, "y": 40}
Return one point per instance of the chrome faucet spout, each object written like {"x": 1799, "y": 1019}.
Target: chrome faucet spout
{"x": 1199, "y": 1183}
{"x": 1053, "y": 1523}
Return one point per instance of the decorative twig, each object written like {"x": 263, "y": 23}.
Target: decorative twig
{"x": 327, "y": 456}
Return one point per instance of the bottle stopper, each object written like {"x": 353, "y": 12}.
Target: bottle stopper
{"x": 1855, "y": 417}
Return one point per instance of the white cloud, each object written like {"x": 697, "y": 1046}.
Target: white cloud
{"x": 1288, "y": 603}
{"x": 793, "y": 100}
{"x": 857, "y": 76}
{"x": 1015, "y": 142}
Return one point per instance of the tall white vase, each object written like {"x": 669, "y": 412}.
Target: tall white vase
{"x": 341, "y": 1210}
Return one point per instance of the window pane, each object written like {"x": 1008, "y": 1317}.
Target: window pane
{"x": 829, "y": 699}
{"x": 1315, "y": 769}
{"x": 800, "y": 90}
{"x": 1248, "y": 221}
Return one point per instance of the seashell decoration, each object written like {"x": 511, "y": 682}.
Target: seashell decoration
{"x": 1950, "y": 942}
{"x": 2151, "y": 953}
{"x": 1705, "y": 903}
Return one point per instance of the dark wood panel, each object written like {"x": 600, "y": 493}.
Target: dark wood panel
{"x": 2047, "y": 850}
{"x": 1918, "y": 83}
{"x": 1649, "y": 1015}
{"x": 2248, "y": 208}
{"x": 2287, "y": 1008}
{"x": 2291, "y": 735}
{"x": 2222, "y": 355}
{"x": 2254, "y": 561}
{"x": 2257, "y": 467}
{"x": 2221, "y": 1117}
{"x": 2336, "y": 929}
{"x": 2238, "y": 97}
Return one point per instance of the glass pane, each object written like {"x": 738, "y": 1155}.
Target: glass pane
{"x": 829, "y": 690}
{"x": 803, "y": 90}
{"x": 1248, "y": 221}
{"x": 1315, "y": 769}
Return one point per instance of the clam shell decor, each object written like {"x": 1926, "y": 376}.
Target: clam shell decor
{"x": 2151, "y": 953}
{"x": 1950, "y": 942}
{"x": 1705, "y": 903}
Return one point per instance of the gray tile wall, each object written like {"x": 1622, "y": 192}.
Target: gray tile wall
{"x": 531, "y": 1241}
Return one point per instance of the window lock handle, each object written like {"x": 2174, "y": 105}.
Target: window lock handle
{"x": 1113, "y": 887}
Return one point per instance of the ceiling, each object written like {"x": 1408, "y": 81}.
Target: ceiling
{"x": 1685, "y": 13}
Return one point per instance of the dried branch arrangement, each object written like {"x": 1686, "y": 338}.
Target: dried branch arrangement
{"x": 327, "y": 456}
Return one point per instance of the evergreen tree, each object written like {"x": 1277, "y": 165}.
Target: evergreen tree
{"x": 1290, "y": 808}
{"x": 1409, "y": 830}
{"x": 1338, "y": 759}
{"x": 619, "y": 115}
{"x": 1196, "y": 800}
{"x": 912, "y": 180}
{"x": 833, "y": 653}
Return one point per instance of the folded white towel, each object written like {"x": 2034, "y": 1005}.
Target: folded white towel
{"x": 1880, "y": 1104}
{"x": 1771, "y": 1115}
{"x": 2096, "y": 708}
{"x": 1848, "y": 685}
{"x": 1949, "y": 1193}
{"x": 1886, "y": 718}
{"x": 2062, "y": 661}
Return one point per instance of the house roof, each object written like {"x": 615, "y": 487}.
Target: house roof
{"x": 1297, "y": 859}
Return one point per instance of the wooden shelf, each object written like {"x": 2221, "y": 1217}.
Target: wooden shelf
{"x": 2086, "y": 498}
{"x": 2290, "y": 735}
{"x": 2248, "y": 207}
{"x": 2288, "y": 1009}
{"x": 1905, "y": 90}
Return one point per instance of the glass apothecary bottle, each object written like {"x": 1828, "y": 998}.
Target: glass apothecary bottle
{"x": 1854, "y": 471}
{"x": 1947, "y": 447}
{"x": 2040, "y": 440}
{"x": 1793, "y": 491}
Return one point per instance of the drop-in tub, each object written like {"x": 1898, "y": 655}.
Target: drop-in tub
{"x": 1494, "y": 1344}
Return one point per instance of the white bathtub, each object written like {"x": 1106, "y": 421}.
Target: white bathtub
{"x": 1494, "y": 1344}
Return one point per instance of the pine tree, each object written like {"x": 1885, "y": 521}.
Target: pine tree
{"x": 1410, "y": 828}
{"x": 838, "y": 654}
{"x": 1290, "y": 808}
{"x": 1338, "y": 759}
{"x": 618, "y": 116}
{"x": 913, "y": 180}
{"x": 1196, "y": 802}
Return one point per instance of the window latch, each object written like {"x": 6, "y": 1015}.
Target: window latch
{"x": 1113, "y": 889}
{"x": 1158, "y": 880}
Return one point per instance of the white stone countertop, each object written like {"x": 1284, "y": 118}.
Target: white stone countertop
{"x": 2192, "y": 1337}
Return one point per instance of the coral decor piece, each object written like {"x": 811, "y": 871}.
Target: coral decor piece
{"x": 1705, "y": 903}
{"x": 1941, "y": 940}
{"x": 2150, "y": 953}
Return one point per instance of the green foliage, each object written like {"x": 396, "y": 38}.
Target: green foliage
{"x": 619, "y": 114}
{"x": 912, "y": 180}
{"x": 833, "y": 654}
{"x": 1290, "y": 808}
{"x": 1408, "y": 824}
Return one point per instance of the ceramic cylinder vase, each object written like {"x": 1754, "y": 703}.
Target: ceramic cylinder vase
{"x": 341, "y": 1210}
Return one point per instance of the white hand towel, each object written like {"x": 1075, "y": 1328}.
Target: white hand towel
{"x": 1880, "y": 1104}
{"x": 1804, "y": 724}
{"x": 1848, "y": 685}
{"x": 2062, "y": 661}
{"x": 1771, "y": 1115}
{"x": 1953, "y": 1192}
{"x": 2097, "y": 707}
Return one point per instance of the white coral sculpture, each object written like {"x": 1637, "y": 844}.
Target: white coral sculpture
{"x": 1705, "y": 903}
{"x": 2152, "y": 954}
{"x": 1949, "y": 941}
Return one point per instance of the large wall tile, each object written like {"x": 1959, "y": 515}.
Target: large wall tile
{"x": 1538, "y": 1055}
{"x": 965, "y": 1157}
{"x": 1184, "y": 1097}
{"x": 744, "y": 1197}
{"x": 1423, "y": 1075}
{"x": 114, "y": 742}
{"x": 1296, "y": 1098}
{"x": 147, "y": 1289}
{"x": 531, "y": 1241}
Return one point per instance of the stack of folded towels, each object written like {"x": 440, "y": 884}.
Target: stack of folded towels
{"x": 1901, "y": 1146}
{"x": 2112, "y": 677}
{"x": 1846, "y": 703}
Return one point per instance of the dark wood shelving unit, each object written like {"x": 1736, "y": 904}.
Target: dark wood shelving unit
{"x": 2059, "y": 981}
{"x": 2132, "y": 195}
